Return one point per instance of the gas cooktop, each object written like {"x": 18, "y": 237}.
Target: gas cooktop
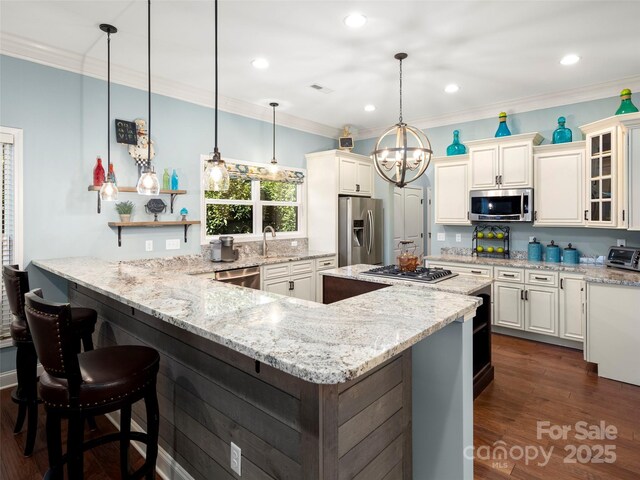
{"x": 424, "y": 275}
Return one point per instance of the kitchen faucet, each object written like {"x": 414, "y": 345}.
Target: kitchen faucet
{"x": 264, "y": 238}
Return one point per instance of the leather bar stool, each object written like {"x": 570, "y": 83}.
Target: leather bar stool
{"x": 16, "y": 284}
{"x": 78, "y": 385}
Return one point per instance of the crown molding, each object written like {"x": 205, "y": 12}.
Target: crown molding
{"x": 519, "y": 105}
{"x": 25, "y": 49}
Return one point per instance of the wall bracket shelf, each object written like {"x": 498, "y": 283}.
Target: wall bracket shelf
{"x": 173, "y": 194}
{"x": 121, "y": 225}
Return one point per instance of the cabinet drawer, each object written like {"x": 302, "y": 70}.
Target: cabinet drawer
{"x": 536, "y": 277}
{"x": 305, "y": 266}
{"x": 275, "y": 271}
{"x": 477, "y": 270}
{"x": 515, "y": 275}
{"x": 326, "y": 263}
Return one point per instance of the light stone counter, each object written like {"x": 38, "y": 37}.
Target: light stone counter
{"x": 322, "y": 344}
{"x": 461, "y": 284}
{"x": 592, "y": 273}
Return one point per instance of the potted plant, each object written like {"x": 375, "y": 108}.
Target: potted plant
{"x": 124, "y": 209}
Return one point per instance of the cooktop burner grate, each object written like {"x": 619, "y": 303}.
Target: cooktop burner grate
{"x": 424, "y": 275}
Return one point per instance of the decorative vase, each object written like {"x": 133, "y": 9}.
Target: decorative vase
{"x": 98, "y": 173}
{"x": 174, "y": 180}
{"x": 456, "y": 148}
{"x": 626, "y": 106}
{"x": 562, "y": 134}
{"x": 166, "y": 180}
{"x": 503, "y": 130}
{"x": 125, "y": 218}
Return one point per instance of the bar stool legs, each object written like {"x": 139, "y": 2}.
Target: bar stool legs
{"x": 26, "y": 395}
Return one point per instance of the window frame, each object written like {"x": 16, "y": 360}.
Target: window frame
{"x": 257, "y": 204}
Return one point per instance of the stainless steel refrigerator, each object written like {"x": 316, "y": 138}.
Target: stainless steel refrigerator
{"x": 360, "y": 227}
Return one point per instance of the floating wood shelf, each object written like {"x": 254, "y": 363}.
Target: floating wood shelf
{"x": 121, "y": 225}
{"x": 173, "y": 193}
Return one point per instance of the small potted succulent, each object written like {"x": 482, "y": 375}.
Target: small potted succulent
{"x": 124, "y": 209}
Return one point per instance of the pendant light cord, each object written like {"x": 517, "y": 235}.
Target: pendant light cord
{"x": 108, "y": 103}
{"x": 149, "y": 83}
{"x": 215, "y": 34}
{"x": 274, "y": 134}
{"x": 400, "y": 90}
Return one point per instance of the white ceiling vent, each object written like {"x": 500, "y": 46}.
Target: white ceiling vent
{"x": 321, "y": 89}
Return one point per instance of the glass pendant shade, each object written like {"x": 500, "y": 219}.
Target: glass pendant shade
{"x": 215, "y": 177}
{"x": 109, "y": 192}
{"x": 402, "y": 154}
{"x": 148, "y": 183}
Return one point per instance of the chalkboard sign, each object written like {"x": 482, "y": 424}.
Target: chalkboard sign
{"x": 126, "y": 132}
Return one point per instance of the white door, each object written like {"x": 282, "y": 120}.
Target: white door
{"x": 414, "y": 217}
{"x": 541, "y": 310}
{"x": 398, "y": 220}
{"x": 515, "y": 166}
{"x": 303, "y": 287}
{"x": 559, "y": 183}
{"x": 279, "y": 286}
{"x": 451, "y": 199}
{"x": 348, "y": 175}
{"x": 364, "y": 178}
{"x": 507, "y": 305}
{"x": 572, "y": 312}
{"x": 484, "y": 167}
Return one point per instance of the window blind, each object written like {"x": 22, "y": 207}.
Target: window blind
{"x": 8, "y": 220}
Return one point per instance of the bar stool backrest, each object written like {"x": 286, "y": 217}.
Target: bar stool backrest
{"x": 53, "y": 337}
{"x": 16, "y": 284}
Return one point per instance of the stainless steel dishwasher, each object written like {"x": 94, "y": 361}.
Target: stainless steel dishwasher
{"x": 243, "y": 277}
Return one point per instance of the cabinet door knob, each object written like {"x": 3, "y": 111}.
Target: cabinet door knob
{"x": 585, "y": 214}
{"x": 290, "y": 285}
{"x": 497, "y": 180}
{"x": 526, "y": 295}
{"x": 521, "y": 294}
{"x": 561, "y": 283}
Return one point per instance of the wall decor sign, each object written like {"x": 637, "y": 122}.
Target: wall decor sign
{"x": 126, "y": 132}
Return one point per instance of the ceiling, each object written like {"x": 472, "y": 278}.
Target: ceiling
{"x": 501, "y": 53}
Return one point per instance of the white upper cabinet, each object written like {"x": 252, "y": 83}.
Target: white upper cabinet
{"x": 451, "y": 190}
{"x": 559, "y": 185}
{"x": 356, "y": 175}
{"x": 505, "y": 162}
{"x": 633, "y": 155}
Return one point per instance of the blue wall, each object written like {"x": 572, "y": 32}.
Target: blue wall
{"x": 589, "y": 241}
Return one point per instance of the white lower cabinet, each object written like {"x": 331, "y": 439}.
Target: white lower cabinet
{"x": 541, "y": 309}
{"x": 281, "y": 286}
{"x": 324, "y": 263}
{"x": 293, "y": 279}
{"x": 572, "y": 307}
{"x": 507, "y": 305}
{"x": 303, "y": 287}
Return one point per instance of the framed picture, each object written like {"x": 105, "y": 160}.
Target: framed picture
{"x": 345, "y": 143}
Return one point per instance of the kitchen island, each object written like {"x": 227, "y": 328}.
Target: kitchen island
{"x": 307, "y": 391}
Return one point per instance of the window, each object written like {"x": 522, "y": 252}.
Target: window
{"x": 11, "y": 209}
{"x": 253, "y": 201}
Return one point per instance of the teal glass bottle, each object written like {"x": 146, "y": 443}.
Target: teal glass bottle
{"x": 626, "y": 106}
{"x": 174, "y": 180}
{"x": 562, "y": 134}
{"x": 166, "y": 180}
{"x": 456, "y": 148}
{"x": 503, "y": 130}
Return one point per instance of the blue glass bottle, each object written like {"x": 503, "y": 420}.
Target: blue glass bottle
{"x": 503, "y": 130}
{"x": 174, "y": 180}
{"x": 456, "y": 148}
{"x": 562, "y": 134}
{"x": 626, "y": 106}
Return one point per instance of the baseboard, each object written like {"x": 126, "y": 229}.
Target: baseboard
{"x": 536, "y": 337}
{"x": 10, "y": 379}
{"x": 166, "y": 466}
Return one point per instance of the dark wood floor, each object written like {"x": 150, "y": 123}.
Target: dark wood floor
{"x": 100, "y": 463}
{"x": 534, "y": 382}
{"x": 538, "y": 382}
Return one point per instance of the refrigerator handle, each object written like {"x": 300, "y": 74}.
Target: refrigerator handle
{"x": 371, "y": 227}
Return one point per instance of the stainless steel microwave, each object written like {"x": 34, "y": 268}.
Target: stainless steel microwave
{"x": 515, "y": 205}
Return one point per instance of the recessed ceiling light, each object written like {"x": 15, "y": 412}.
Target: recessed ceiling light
{"x": 369, "y": 108}
{"x": 451, "y": 88}
{"x": 260, "y": 63}
{"x": 570, "y": 59}
{"x": 355, "y": 20}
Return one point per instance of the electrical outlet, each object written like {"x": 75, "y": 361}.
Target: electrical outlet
{"x": 236, "y": 459}
{"x": 621, "y": 242}
{"x": 294, "y": 243}
{"x": 148, "y": 245}
{"x": 458, "y": 237}
{"x": 173, "y": 244}
{"x": 441, "y": 236}
{"x": 532, "y": 239}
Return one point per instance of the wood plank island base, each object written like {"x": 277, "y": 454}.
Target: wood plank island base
{"x": 296, "y": 408}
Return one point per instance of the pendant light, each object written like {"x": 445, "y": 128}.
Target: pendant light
{"x": 148, "y": 183}
{"x": 215, "y": 177}
{"x": 274, "y": 163}
{"x": 403, "y": 152}
{"x": 108, "y": 190}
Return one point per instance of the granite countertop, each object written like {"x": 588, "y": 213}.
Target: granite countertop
{"x": 323, "y": 344}
{"x": 199, "y": 265}
{"x": 592, "y": 273}
{"x": 461, "y": 284}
